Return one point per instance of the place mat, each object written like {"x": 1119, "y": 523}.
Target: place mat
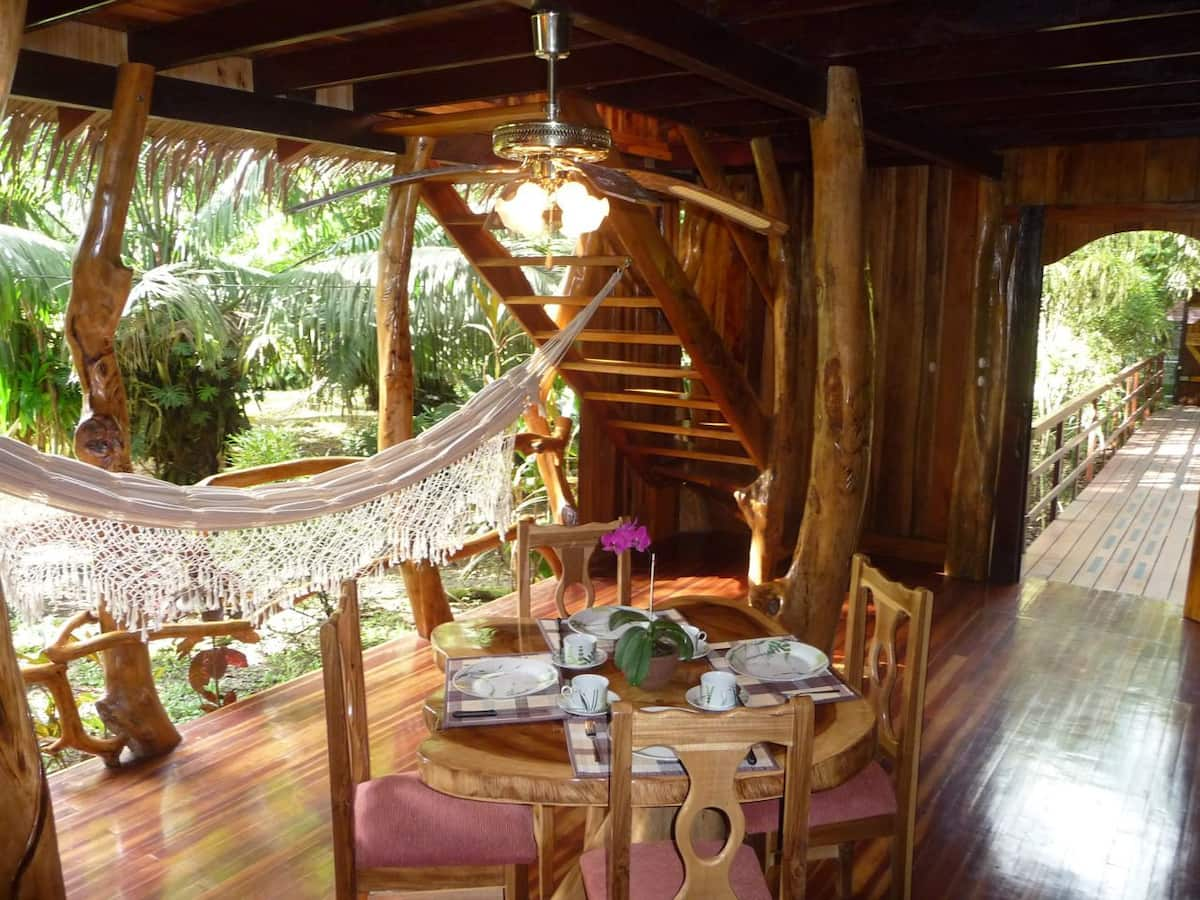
{"x": 540, "y": 707}
{"x": 824, "y": 687}
{"x": 549, "y": 628}
{"x": 591, "y": 757}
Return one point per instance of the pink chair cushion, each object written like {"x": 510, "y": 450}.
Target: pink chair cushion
{"x": 656, "y": 871}
{"x": 398, "y": 821}
{"x": 866, "y": 795}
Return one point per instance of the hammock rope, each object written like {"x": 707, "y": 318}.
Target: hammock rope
{"x": 155, "y": 551}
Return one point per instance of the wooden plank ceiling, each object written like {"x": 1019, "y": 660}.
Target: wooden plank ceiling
{"x": 942, "y": 81}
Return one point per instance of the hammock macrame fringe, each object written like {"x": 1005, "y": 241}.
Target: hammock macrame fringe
{"x": 155, "y": 552}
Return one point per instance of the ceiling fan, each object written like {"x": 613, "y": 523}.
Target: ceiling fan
{"x": 557, "y": 163}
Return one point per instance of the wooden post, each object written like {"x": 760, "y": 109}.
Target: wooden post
{"x": 1191, "y": 603}
{"x": 772, "y": 504}
{"x": 1025, "y": 291}
{"x": 394, "y": 337}
{"x": 29, "y": 864}
{"x": 814, "y": 589}
{"x": 99, "y": 288}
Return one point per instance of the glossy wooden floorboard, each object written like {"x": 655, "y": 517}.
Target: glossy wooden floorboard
{"x": 1061, "y": 758}
{"x": 1131, "y": 528}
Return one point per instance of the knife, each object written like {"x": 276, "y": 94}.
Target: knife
{"x": 473, "y": 713}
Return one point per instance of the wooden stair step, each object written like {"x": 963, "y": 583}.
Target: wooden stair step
{"x": 680, "y": 453}
{"x": 580, "y": 300}
{"x": 618, "y": 337}
{"x": 650, "y": 397}
{"x": 547, "y": 262}
{"x": 625, "y": 367}
{"x": 712, "y": 432}
{"x": 702, "y": 478}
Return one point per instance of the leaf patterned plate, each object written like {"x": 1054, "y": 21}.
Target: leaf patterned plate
{"x": 505, "y": 678}
{"x": 776, "y": 659}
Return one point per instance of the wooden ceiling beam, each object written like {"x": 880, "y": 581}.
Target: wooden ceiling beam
{"x": 43, "y": 13}
{"x": 1032, "y": 85}
{"x": 1087, "y": 45}
{"x": 583, "y": 69}
{"x": 971, "y": 115}
{"x": 664, "y": 93}
{"x": 255, "y": 25}
{"x": 1169, "y": 122}
{"x": 702, "y": 46}
{"x": 73, "y": 82}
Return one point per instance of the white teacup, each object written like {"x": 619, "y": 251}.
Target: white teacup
{"x": 699, "y": 639}
{"x": 718, "y": 690}
{"x": 578, "y": 649}
{"x": 587, "y": 692}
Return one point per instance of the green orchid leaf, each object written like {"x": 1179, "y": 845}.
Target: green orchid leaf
{"x": 633, "y": 654}
{"x": 625, "y": 616}
{"x": 670, "y": 630}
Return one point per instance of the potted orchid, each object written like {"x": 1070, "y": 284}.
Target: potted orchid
{"x": 649, "y": 652}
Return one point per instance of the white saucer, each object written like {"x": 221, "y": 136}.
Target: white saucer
{"x": 566, "y": 706}
{"x": 693, "y": 698}
{"x": 599, "y": 658}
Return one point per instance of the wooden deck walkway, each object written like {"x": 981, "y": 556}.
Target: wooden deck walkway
{"x": 1130, "y": 530}
{"x": 1047, "y": 772}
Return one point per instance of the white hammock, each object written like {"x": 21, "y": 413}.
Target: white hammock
{"x": 154, "y": 551}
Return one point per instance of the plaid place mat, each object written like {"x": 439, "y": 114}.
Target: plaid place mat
{"x": 550, "y": 634}
{"x": 540, "y": 707}
{"x": 824, "y": 687}
{"x": 591, "y": 756}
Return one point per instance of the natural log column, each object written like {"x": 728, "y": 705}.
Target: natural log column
{"x": 814, "y": 589}
{"x": 969, "y": 541}
{"x": 29, "y": 865}
{"x": 99, "y": 288}
{"x": 421, "y": 579}
{"x": 777, "y": 495}
{"x": 1191, "y": 603}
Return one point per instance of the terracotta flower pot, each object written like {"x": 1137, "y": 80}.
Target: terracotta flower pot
{"x": 661, "y": 670}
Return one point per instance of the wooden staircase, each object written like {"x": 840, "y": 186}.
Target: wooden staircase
{"x": 652, "y": 369}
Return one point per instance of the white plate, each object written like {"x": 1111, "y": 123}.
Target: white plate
{"x": 693, "y": 698}
{"x": 663, "y": 753}
{"x": 565, "y": 704}
{"x": 497, "y": 679}
{"x": 599, "y": 658}
{"x": 775, "y": 659}
{"x": 594, "y": 621}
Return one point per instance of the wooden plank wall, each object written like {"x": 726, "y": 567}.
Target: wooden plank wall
{"x": 1101, "y": 189}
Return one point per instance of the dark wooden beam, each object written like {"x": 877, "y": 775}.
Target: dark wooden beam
{"x": 73, "y": 82}
{"x": 268, "y": 24}
{"x": 664, "y": 93}
{"x": 1170, "y": 121}
{"x": 41, "y": 13}
{"x": 1112, "y": 102}
{"x": 1088, "y": 45}
{"x": 1074, "y": 80}
{"x": 492, "y": 38}
{"x": 583, "y": 69}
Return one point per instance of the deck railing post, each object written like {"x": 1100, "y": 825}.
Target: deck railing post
{"x": 1056, "y": 473}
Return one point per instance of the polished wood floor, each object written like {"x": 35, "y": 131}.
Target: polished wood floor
{"x": 1061, "y": 760}
{"x": 1131, "y": 529}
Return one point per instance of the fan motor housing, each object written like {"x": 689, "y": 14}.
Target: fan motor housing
{"x": 524, "y": 141}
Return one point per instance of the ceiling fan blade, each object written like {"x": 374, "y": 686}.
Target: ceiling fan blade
{"x": 746, "y": 216}
{"x": 441, "y": 173}
{"x": 615, "y": 183}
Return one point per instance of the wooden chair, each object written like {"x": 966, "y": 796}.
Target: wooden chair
{"x": 574, "y": 545}
{"x": 872, "y": 804}
{"x": 710, "y": 748}
{"x": 392, "y": 832}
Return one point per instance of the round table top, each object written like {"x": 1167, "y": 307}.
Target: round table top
{"x": 530, "y": 763}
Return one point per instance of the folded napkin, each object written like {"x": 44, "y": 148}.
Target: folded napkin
{"x": 549, "y": 629}
{"x": 540, "y": 707}
{"x": 823, "y": 687}
{"x": 591, "y": 757}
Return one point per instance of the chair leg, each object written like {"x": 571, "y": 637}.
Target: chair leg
{"x": 543, "y": 817}
{"x": 845, "y": 871}
{"x": 901, "y": 867}
{"x": 516, "y": 883}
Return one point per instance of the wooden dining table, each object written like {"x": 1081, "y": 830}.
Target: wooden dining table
{"x": 530, "y": 763}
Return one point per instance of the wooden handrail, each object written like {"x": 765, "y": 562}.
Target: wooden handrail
{"x": 1052, "y": 418}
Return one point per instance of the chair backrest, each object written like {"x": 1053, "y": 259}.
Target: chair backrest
{"x": 711, "y": 747}
{"x": 574, "y": 545}
{"x": 899, "y": 733}
{"x": 345, "y": 722}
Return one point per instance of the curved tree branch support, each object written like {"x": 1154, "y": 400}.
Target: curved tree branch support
{"x": 811, "y": 595}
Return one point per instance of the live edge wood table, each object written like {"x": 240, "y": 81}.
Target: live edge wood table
{"x": 530, "y": 763}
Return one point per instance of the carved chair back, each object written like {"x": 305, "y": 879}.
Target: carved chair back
{"x": 574, "y": 545}
{"x": 873, "y": 669}
{"x": 711, "y": 749}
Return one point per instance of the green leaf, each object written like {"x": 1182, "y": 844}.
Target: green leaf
{"x": 670, "y": 630}
{"x": 625, "y": 616}
{"x": 633, "y": 654}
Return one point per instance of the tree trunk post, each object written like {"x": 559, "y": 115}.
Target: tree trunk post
{"x": 100, "y": 285}
{"x": 814, "y": 589}
{"x": 396, "y": 381}
{"x": 972, "y": 500}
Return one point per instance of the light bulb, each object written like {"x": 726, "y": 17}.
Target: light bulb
{"x": 525, "y": 211}
{"x": 581, "y": 212}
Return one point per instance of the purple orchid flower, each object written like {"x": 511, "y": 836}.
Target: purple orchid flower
{"x": 626, "y": 536}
